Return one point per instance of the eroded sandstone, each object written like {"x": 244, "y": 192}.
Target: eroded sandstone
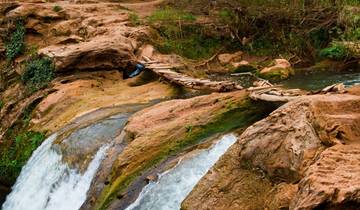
{"x": 288, "y": 160}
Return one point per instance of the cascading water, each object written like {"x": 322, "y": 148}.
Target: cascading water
{"x": 46, "y": 182}
{"x": 175, "y": 184}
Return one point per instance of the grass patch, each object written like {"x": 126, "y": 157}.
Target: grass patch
{"x": 16, "y": 45}
{"x": 180, "y": 34}
{"x": 38, "y": 73}
{"x": 169, "y": 14}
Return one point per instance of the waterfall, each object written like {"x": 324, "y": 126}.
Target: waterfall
{"x": 47, "y": 183}
{"x": 175, "y": 184}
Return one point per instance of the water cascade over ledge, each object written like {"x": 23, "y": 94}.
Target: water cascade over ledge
{"x": 175, "y": 184}
{"x": 48, "y": 183}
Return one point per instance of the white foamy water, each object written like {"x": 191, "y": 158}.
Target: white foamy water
{"x": 175, "y": 184}
{"x": 47, "y": 183}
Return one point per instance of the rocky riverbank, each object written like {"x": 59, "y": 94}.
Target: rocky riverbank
{"x": 64, "y": 68}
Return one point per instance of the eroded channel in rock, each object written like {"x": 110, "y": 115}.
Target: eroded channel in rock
{"x": 175, "y": 184}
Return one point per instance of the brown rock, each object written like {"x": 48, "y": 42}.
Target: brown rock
{"x": 332, "y": 182}
{"x": 280, "y": 70}
{"x": 151, "y": 178}
{"x": 227, "y": 57}
{"x": 34, "y": 10}
{"x": 258, "y": 171}
{"x": 99, "y": 53}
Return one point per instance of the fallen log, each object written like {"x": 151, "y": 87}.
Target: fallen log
{"x": 276, "y": 94}
{"x": 165, "y": 71}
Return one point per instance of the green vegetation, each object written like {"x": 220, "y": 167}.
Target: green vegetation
{"x": 169, "y": 14}
{"x": 335, "y": 52}
{"x": 134, "y": 19}
{"x": 14, "y": 158}
{"x": 57, "y": 8}
{"x": 16, "y": 45}
{"x": 180, "y": 34}
{"x": 38, "y": 73}
{"x": 1, "y": 104}
{"x": 290, "y": 28}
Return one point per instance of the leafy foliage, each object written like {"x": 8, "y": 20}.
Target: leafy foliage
{"x": 16, "y": 45}
{"x": 15, "y": 157}
{"x": 335, "y": 52}
{"x": 38, "y": 73}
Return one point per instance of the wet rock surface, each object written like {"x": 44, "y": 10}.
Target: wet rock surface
{"x": 299, "y": 157}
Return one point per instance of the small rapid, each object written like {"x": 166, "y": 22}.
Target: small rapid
{"x": 175, "y": 184}
{"x": 46, "y": 182}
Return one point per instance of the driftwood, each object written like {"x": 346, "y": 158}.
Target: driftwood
{"x": 165, "y": 71}
{"x": 276, "y": 94}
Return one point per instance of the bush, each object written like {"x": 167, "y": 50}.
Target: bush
{"x": 38, "y": 73}
{"x": 16, "y": 45}
{"x": 15, "y": 157}
{"x": 335, "y": 52}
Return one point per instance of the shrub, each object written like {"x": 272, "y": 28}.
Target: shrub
{"x": 38, "y": 73}
{"x": 57, "y": 8}
{"x": 15, "y": 157}
{"x": 16, "y": 45}
{"x": 335, "y": 52}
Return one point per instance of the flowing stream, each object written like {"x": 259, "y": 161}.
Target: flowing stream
{"x": 48, "y": 182}
{"x": 175, "y": 184}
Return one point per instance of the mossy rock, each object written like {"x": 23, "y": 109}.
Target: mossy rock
{"x": 277, "y": 74}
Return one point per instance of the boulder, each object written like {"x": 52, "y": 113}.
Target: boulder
{"x": 279, "y": 71}
{"x": 332, "y": 182}
{"x": 312, "y": 141}
{"x": 99, "y": 53}
{"x": 227, "y": 58}
{"x": 34, "y": 10}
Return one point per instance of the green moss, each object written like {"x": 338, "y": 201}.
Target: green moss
{"x": 1, "y": 104}
{"x": 16, "y": 45}
{"x": 57, "y": 8}
{"x": 239, "y": 115}
{"x": 12, "y": 159}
